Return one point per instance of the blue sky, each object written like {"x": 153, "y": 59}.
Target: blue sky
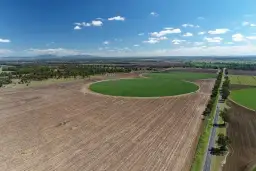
{"x": 127, "y": 28}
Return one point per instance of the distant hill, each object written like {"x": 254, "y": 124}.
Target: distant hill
{"x": 48, "y": 58}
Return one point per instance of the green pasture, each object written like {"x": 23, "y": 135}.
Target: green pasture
{"x": 156, "y": 85}
{"x": 245, "y": 97}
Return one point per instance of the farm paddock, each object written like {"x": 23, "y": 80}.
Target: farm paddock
{"x": 243, "y": 80}
{"x": 241, "y": 131}
{"x": 60, "y": 127}
{"x": 241, "y": 72}
{"x": 243, "y": 90}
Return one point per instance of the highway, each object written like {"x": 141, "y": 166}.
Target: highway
{"x": 208, "y": 156}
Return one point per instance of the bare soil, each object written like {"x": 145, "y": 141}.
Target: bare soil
{"x": 58, "y": 127}
{"x": 241, "y": 131}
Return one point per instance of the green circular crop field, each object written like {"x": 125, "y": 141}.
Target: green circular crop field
{"x": 245, "y": 97}
{"x": 157, "y": 85}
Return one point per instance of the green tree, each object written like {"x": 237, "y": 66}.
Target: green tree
{"x": 225, "y": 93}
{"x": 225, "y": 116}
{"x": 223, "y": 141}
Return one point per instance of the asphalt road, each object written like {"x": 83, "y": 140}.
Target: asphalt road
{"x": 207, "y": 163}
{"x": 208, "y": 157}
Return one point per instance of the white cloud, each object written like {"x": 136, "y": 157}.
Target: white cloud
{"x": 97, "y": 23}
{"x": 188, "y": 34}
{"x": 141, "y": 34}
{"x": 154, "y": 40}
{"x": 245, "y": 23}
{"x": 5, "y": 40}
{"x": 106, "y": 42}
{"x": 238, "y": 37}
{"x": 162, "y": 38}
{"x": 177, "y": 41}
{"x": 100, "y": 19}
{"x": 165, "y": 32}
{"x": 188, "y": 25}
{"x": 230, "y": 43}
{"x": 136, "y": 45}
{"x": 151, "y": 41}
{"x": 201, "y": 33}
{"x": 117, "y": 18}
{"x": 56, "y": 51}
{"x": 200, "y": 18}
{"x": 77, "y": 28}
{"x": 219, "y": 31}
{"x": 198, "y": 43}
{"x": 213, "y": 39}
{"x": 154, "y": 14}
{"x": 86, "y": 24}
{"x": 168, "y": 28}
{"x": 251, "y": 37}
{"x": 78, "y": 24}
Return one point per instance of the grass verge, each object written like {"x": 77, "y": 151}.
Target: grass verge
{"x": 217, "y": 160}
{"x": 203, "y": 142}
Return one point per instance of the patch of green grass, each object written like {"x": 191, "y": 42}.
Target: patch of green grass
{"x": 243, "y": 79}
{"x": 203, "y": 142}
{"x": 254, "y": 169}
{"x": 156, "y": 85}
{"x": 245, "y": 97}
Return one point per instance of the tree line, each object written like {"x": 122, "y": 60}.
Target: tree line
{"x": 225, "y": 86}
{"x": 223, "y": 141}
{"x": 215, "y": 65}
{"x": 29, "y": 73}
{"x": 214, "y": 94}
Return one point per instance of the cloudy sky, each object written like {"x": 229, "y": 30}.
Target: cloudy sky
{"x": 127, "y": 28}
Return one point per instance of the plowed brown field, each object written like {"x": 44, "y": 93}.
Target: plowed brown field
{"x": 59, "y": 127}
{"x": 241, "y": 131}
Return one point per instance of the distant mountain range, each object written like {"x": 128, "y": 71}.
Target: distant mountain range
{"x": 82, "y": 58}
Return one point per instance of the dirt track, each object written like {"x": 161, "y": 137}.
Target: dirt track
{"x": 57, "y": 127}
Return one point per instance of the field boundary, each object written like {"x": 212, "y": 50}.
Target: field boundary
{"x": 203, "y": 141}
{"x": 241, "y": 105}
{"x": 86, "y": 89}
